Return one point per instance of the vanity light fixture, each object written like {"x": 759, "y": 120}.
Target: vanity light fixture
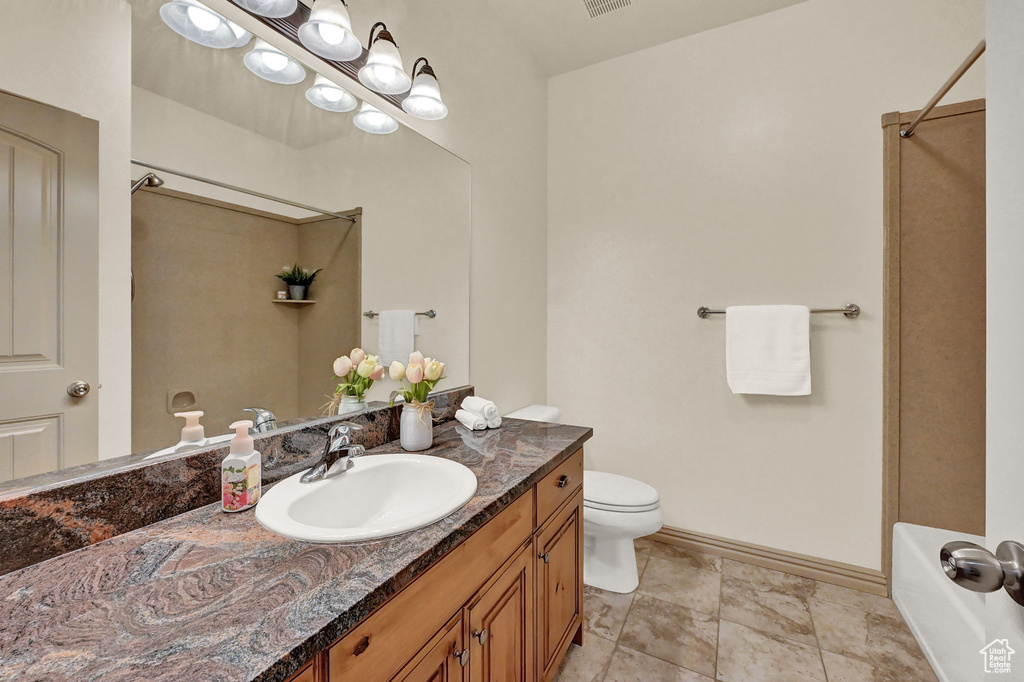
{"x": 269, "y": 63}
{"x": 195, "y": 21}
{"x": 274, "y": 9}
{"x": 330, "y": 96}
{"x": 383, "y": 70}
{"x": 424, "y": 100}
{"x": 370, "y": 119}
{"x": 328, "y": 33}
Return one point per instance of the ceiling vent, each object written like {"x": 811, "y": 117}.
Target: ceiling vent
{"x": 599, "y": 7}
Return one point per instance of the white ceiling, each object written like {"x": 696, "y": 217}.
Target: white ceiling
{"x": 562, "y": 37}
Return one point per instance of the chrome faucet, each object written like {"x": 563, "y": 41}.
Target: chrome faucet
{"x": 339, "y": 447}
{"x": 263, "y": 420}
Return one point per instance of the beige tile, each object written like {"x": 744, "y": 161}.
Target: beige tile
{"x": 585, "y": 663}
{"x": 693, "y": 586}
{"x": 692, "y": 558}
{"x": 767, "y": 600}
{"x": 642, "y": 555}
{"x": 632, "y": 666}
{"x": 842, "y": 669}
{"x": 871, "y": 603}
{"x": 884, "y": 641}
{"x": 748, "y": 655}
{"x": 604, "y": 612}
{"x": 672, "y": 633}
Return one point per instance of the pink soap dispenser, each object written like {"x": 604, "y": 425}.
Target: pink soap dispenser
{"x": 240, "y": 474}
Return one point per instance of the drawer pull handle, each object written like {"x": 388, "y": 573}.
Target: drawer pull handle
{"x": 481, "y": 635}
{"x": 546, "y": 556}
{"x": 461, "y": 656}
{"x": 363, "y": 645}
{"x": 564, "y": 481}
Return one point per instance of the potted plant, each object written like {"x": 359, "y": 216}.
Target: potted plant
{"x": 357, "y": 371}
{"x": 418, "y": 380}
{"x": 298, "y": 281}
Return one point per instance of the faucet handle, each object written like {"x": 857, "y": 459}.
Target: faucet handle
{"x": 341, "y": 434}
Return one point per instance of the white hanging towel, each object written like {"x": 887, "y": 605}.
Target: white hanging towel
{"x": 768, "y": 349}
{"x": 396, "y": 335}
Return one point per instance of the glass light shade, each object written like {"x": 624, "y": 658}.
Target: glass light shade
{"x": 370, "y": 119}
{"x": 383, "y": 70}
{"x": 195, "y": 21}
{"x": 328, "y": 32}
{"x": 424, "y": 100}
{"x": 269, "y": 63}
{"x": 269, "y": 8}
{"x": 330, "y": 96}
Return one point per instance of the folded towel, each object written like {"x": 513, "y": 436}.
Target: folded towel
{"x": 396, "y": 335}
{"x": 471, "y": 420}
{"x": 768, "y": 349}
{"x": 494, "y": 422}
{"x": 484, "y": 408}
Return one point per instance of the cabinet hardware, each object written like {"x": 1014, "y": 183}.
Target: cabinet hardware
{"x": 363, "y": 645}
{"x": 563, "y": 481}
{"x": 481, "y": 635}
{"x": 461, "y": 656}
{"x": 546, "y": 556}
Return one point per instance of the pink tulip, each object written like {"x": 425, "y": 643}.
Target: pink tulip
{"x": 377, "y": 373}
{"x": 357, "y": 355}
{"x": 416, "y": 358}
{"x": 342, "y": 366}
{"x": 414, "y": 373}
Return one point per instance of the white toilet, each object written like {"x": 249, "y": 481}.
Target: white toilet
{"x": 616, "y": 510}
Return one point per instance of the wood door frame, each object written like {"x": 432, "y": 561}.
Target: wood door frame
{"x": 892, "y": 123}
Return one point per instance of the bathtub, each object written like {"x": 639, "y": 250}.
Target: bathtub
{"x": 947, "y": 620}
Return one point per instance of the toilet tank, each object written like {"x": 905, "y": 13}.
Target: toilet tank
{"x": 537, "y": 413}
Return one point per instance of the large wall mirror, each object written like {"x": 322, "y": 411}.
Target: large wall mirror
{"x": 163, "y": 296}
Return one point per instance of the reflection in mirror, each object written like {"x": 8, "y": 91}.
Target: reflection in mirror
{"x": 168, "y": 299}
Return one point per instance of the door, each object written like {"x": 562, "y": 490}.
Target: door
{"x": 559, "y": 585}
{"x": 48, "y": 287}
{"x": 501, "y": 620}
{"x": 443, "y": 659}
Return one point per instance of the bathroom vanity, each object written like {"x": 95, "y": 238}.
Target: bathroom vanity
{"x": 491, "y": 592}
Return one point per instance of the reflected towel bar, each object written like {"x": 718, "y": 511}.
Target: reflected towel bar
{"x": 851, "y": 310}
{"x": 430, "y": 313}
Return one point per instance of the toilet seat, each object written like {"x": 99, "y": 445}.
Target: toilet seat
{"x": 620, "y": 494}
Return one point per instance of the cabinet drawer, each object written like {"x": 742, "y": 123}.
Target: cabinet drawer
{"x": 558, "y": 486}
{"x": 383, "y": 643}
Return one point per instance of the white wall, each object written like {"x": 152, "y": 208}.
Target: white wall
{"x": 741, "y": 165}
{"x": 77, "y": 56}
{"x": 1005, "y": 324}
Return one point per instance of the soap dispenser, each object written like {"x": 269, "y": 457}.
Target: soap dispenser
{"x": 192, "y": 435}
{"x": 241, "y": 478}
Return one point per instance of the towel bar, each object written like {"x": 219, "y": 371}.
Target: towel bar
{"x": 851, "y": 310}
{"x": 430, "y": 313}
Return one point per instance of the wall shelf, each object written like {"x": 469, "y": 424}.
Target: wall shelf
{"x": 288, "y": 301}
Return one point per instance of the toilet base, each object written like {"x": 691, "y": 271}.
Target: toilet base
{"x": 610, "y": 564}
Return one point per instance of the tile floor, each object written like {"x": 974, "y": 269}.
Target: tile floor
{"x": 697, "y": 618}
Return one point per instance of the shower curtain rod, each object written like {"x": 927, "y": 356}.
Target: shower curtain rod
{"x": 947, "y": 86}
{"x": 250, "y": 192}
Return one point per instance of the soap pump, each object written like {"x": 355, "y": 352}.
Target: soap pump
{"x": 241, "y": 478}
{"x": 192, "y": 434}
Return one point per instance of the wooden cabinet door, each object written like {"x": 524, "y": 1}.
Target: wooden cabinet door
{"x": 501, "y": 625}
{"x": 559, "y": 585}
{"x": 443, "y": 659}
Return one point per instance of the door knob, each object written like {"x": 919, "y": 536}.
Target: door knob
{"x": 461, "y": 656}
{"x": 481, "y": 635}
{"x": 78, "y": 389}
{"x": 975, "y": 568}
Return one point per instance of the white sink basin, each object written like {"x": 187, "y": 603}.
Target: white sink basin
{"x": 378, "y": 496}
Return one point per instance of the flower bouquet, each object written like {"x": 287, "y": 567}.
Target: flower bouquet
{"x": 356, "y": 371}
{"x": 418, "y": 380}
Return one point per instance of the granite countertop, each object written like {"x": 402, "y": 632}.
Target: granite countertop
{"x": 214, "y": 596}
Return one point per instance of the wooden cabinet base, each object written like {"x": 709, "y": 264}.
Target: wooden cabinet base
{"x": 503, "y": 606}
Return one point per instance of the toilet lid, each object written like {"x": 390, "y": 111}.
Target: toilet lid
{"x": 611, "y": 492}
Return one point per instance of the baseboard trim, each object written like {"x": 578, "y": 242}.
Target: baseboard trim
{"x": 834, "y": 572}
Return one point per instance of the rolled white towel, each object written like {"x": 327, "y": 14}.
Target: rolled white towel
{"x": 481, "y": 406}
{"x": 494, "y": 423}
{"x": 470, "y": 420}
